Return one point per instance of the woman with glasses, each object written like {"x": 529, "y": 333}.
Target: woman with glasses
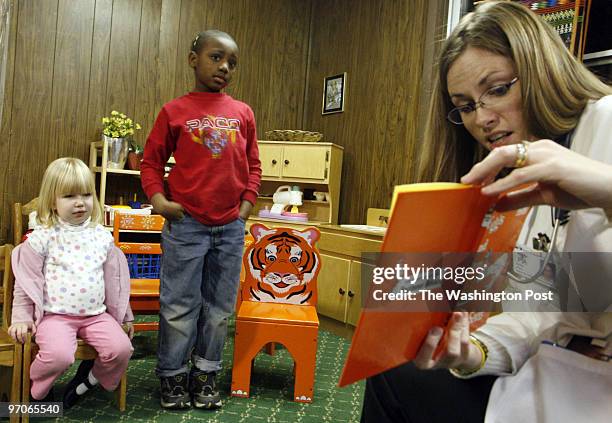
{"x": 509, "y": 95}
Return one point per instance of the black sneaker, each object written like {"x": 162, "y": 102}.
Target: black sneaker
{"x": 70, "y": 394}
{"x": 204, "y": 389}
{"x": 174, "y": 392}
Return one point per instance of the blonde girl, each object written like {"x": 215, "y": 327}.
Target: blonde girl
{"x": 71, "y": 281}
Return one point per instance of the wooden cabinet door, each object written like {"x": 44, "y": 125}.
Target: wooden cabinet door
{"x": 270, "y": 156}
{"x": 305, "y": 162}
{"x": 332, "y": 284}
{"x": 354, "y": 293}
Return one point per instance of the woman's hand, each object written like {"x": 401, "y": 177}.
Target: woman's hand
{"x": 559, "y": 177}
{"x": 169, "y": 209}
{"x": 460, "y": 353}
{"x": 19, "y": 331}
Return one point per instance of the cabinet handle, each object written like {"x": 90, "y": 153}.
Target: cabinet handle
{"x": 351, "y": 294}
{"x": 341, "y": 291}
{"x": 274, "y": 161}
{"x": 286, "y": 162}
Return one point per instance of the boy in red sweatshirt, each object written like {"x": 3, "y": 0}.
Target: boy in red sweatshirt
{"x": 210, "y": 193}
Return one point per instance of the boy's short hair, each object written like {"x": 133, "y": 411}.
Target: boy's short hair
{"x": 67, "y": 175}
{"x": 200, "y": 40}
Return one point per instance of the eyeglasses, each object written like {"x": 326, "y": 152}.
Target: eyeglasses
{"x": 492, "y": 97}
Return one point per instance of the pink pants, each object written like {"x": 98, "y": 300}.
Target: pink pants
{"x": 56, "y": 336}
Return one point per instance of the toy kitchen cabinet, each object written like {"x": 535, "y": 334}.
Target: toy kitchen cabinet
{"x": 309, "y": 165}
{"x": 339, "y": 281}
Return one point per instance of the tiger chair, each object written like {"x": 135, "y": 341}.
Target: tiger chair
{"x": 279, "y": 295}
{"x": 270, "y": 348}
{"x": 248, "y": 240}
{"x": 143, "y": 259}
{"x": 11, "y": 352}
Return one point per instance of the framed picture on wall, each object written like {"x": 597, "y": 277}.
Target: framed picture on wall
{"x": 334, "y": 88}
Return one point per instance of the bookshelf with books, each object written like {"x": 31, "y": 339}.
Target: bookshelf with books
{"x": 568, "y": 18}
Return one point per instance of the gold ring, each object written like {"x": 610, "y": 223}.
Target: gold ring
{"x": 521, "y": 154}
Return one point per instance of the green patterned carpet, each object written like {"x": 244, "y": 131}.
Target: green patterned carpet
{"x": 271, "y": 390}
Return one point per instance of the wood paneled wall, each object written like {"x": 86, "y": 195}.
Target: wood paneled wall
{"x": 72, "y": 62}
{"x": 386, "y": 47}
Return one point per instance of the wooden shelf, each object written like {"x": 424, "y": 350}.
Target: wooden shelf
{"x": 269, "y": 199}
{"x": 110, "y": 229}
{"x": 98, "y": 169}
{"x": 98, "y": 159}
{"x": 300, "y": 143}
{"x": 291, "y": 222}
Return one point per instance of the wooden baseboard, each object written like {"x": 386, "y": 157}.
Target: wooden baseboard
{"x": 336, "y": 327}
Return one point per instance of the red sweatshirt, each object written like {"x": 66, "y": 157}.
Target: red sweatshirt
{"x": 214, "y": 142}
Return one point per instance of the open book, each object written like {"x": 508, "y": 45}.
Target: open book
{"x": 426, "y": 218}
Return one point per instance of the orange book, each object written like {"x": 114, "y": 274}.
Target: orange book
{"x": 427, "y": 218}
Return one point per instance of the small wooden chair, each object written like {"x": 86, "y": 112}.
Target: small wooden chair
{"x": 21, "y": 215}
{"x": 248, "y": 240}
{"x": 83, "y": 352}
{"x": 11, "y": 352}
{"x": 143, "y": 259}
{"x": 279, "y": 295}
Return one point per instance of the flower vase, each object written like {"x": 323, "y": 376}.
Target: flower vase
{"x": 133, "y": 160}
{"x": 117, "y": 151}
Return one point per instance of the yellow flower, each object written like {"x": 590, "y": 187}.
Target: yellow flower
{"x": 118, "y": 125}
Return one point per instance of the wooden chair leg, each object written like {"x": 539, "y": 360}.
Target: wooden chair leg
{"x": 241, "y": 378}
{"x": 15, "y": 392}
{"x": 270, "y": 348}
{"x": 25, "y": 379}
{"x": 305, "y": 363}
{"x": 244, "y": 357}
{"x": 121, "y": 391}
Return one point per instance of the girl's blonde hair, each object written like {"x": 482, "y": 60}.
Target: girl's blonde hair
{"x": 555, "y": 87}
{"x": 67, "y": 175}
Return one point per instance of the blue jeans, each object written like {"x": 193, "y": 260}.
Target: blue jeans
{"x": 199, "y": 281}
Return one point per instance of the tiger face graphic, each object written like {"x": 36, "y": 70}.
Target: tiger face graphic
{"x": 282, "y": 265}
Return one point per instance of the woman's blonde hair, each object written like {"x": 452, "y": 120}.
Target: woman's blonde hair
{"x": 555, "y": 87}
{"x": 67, "y": 175}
